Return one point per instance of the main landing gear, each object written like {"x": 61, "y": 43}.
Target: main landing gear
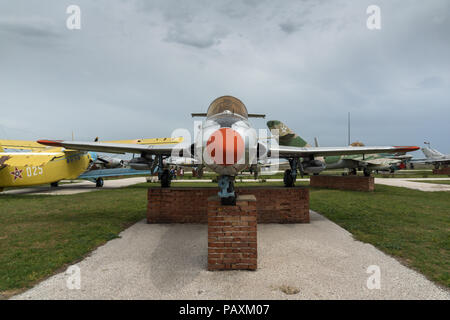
{"x": 99, "y": 182}
{"x": 367, "y": 172}
{"x": 164, "y": 175}
{"x": 54, "y": 184}
{"x": 166, "y": 178}
{"x": 290, "y": 175}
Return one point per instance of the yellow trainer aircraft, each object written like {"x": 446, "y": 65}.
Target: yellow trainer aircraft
{"x": 32, "y": 163}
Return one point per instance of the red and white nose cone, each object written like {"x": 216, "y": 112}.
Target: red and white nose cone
{"x": 225, "y": 146}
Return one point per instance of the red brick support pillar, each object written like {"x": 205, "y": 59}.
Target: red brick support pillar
{"x": 232, "y": 241}
{"x": 444, "y": 170}
{"x": 355, "y": 183}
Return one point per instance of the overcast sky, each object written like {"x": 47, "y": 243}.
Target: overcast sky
{"x": 139, "y": 68}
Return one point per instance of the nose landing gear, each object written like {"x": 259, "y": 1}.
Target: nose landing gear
{"x": 226, "y": 193}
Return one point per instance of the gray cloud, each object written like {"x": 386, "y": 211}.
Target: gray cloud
{"x": 192, "y": 35}
{"x": 290, "y": 27}
{"x": 33, "y": 30}
{"x": 431, "y": 83}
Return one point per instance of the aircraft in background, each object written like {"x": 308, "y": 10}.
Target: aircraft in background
{"x": 227, "y": 144}
{"x": 34, "y": 165}
{"x": 433, "y": 157}
{"x": 28, "y": 163}
{"x": 366, "y": 163}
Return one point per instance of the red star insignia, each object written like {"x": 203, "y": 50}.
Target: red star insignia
{"x": 17, "y": 174}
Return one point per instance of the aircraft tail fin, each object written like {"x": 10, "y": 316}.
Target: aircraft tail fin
{"x": 431, "y": 153}
{"x": 286, "y": 135}
{"x": 316, "y": 142}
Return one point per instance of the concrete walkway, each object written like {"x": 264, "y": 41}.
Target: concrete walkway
{"x": 412, "y": 184}
{"x": 163, "y": 261}
{"x": 87, "y": 186}
{"x": 77, "y": 187}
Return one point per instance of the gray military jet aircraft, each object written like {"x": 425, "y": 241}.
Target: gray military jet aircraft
{"x": 433, "y": 157}
{"x": 227, "y": 143}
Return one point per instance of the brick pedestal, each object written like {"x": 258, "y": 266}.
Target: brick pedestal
{"x": 444, "y": 170}
{"x": 232, "y": 242}
{"x": 355, "y": 183}
{"x": 189, "y": 205}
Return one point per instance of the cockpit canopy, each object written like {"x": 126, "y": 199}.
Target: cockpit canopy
{"x": 232, "y": 104}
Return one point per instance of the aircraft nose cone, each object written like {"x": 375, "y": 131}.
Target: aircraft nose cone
{"x": 225, "y": 146}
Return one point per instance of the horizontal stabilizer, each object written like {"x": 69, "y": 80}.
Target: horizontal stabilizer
{"x": 198, "y": 115}
{"x": 250, "y": 115}
{"x": 256, "y": 115}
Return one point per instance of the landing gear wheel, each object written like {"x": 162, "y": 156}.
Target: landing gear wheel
{"x": 54, "y": 184}
{"x": 166, "y": 179}
{"x": 288, "y": 179}
{"x": 367, "y": 173}
{"x": 200, "y": 173}
{"x": 99, "y": 182}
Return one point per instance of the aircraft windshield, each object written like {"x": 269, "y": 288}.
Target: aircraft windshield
{"x": 229, "y": 103}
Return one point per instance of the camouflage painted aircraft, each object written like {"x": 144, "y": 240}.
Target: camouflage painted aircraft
{"x": 367, "y": 163}
{"x": 28, "y": 163}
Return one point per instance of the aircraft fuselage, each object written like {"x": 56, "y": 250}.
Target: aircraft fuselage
{"x": 19, "y": 169}
{"x": 227, "y": 143}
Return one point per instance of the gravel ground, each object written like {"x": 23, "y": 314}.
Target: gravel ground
{"x": 77, "y": 187}
{"x": 87, "y": 186}
{"x": 319, "y": 260}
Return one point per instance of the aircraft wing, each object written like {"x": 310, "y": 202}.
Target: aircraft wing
{"x": 430, "y": 161}
{"x": 111, "y": 147}
{"x": 292, "y": 152}
{"x": 116, "y": 172}
{"x": 152, "y": 141}
{"x": 21, "y": 144}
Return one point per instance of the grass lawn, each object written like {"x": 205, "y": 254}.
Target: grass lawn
{"x": 434, "y": 181}
{"x": 411, "y": 225}
{"x": 40, "y": 235}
